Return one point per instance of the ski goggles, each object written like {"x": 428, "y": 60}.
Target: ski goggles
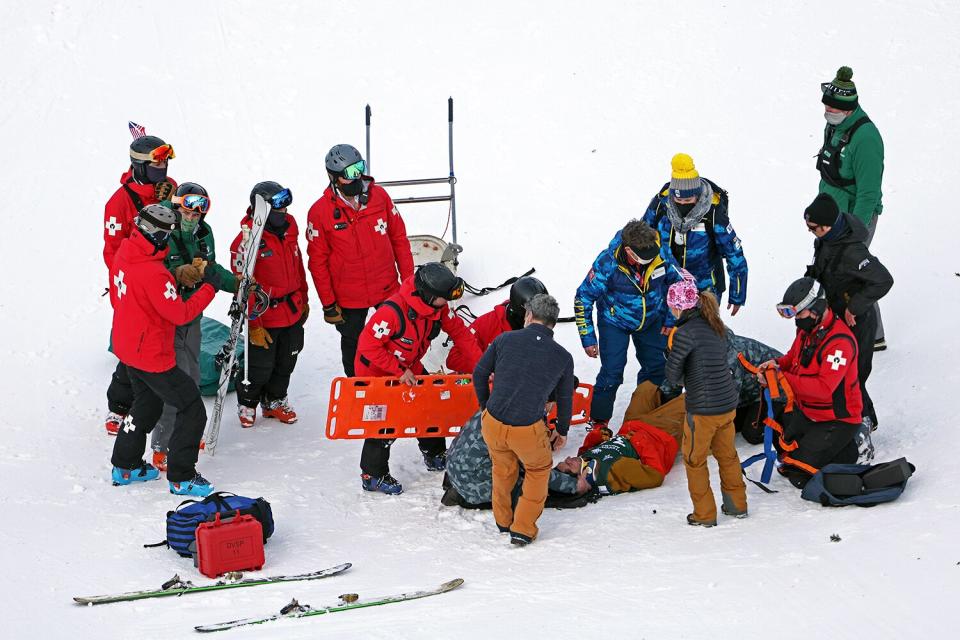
{"x": 281, "y": 199}
{"x": 161, "y": 154}
{"x": 789, "y": 311}
{"x": 355, "y": 170}
{"x": 645, "y": 253}
{"x": 457, "y": 292}
{"x": 193, "y": 202}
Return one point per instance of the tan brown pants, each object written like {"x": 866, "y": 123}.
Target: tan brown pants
{"x": 645, "y": 405}
{"x": 700, "y": 435}
{"x": 508, "y": 446}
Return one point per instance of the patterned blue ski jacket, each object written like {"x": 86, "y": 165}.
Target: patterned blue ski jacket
{"x": 626, "y": 299}
{"x": 702, "y": 249}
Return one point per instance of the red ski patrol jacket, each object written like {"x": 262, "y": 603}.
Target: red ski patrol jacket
{"x": 120, "y": 211}
{"x": 399, "y": 333}
{"x": 355, "y": 256}
{"x": 484, "y": 329}
{"x": 279, "y": 272}
{"x": 146, "y": 307}
{"x": 821, "y": 367}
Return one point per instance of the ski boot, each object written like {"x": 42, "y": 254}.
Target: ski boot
{"x": 384, "y": 484}
{"x": 700, "y": 523}
{"x": 280, "y": 410}
{"x": 880, "y": 345}
{"x": 435, "y": 463}
{"x": 113, "y": 422}
{"x": 247, "y": 415}
{"x": 865, "y": 450}
{"x": 143, "y": 473}
{"x": 198, "y": 486}
{"x": 160, "y": 460}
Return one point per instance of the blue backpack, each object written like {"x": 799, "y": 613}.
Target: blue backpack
{"x": 865, "y": 485}
{"x": 183, "y": 521}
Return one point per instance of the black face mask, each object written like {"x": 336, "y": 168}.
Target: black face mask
{"x": 684, "y": 209}
{"x": 155, "y": 174}
{"x": 351, "y": 189}
{"x": 806, "y": 324}
{"x": 276, "y": 218}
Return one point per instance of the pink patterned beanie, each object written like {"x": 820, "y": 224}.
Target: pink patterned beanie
{"x": 683, "y": 295}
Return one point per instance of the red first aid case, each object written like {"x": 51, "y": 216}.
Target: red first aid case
{"x": 230, "y": 544}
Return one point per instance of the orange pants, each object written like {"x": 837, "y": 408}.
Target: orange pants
{"x": 700, "y": 435}
{"x": 508, "y": 446}
{"x": 645, "y": 405}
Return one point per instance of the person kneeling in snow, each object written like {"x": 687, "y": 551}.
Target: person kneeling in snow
{"x": 821, "y": 369}
{"x": 638, "y": 457}
{"x": 469, "y": 478}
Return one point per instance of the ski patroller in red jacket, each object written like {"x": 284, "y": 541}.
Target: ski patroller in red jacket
{"x": 821, "y": 368}
{"x": 393, "y": 341}
{"x": 484, "y": 329}
{"x": 655, "y": 447}
{"x": 120, "y": 211}
{"x": 355, "y": 256}
{"x": 279, "y": 272}
{"x": 146, "y": 307}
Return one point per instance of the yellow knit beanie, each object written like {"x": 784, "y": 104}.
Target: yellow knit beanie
{"x": 684, "y": 179}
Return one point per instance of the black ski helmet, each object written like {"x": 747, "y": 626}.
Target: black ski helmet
{"x": 155, "y": 222}
{"x": 802, "y": 294}
{"x": 191, "y": 188}
{"x": 140, "y": 150}
{"x": 267, "y": 189}
{"x": 433, "y": 280}
{"x": 520, "y": 294}
{"x": 340, "y": 157}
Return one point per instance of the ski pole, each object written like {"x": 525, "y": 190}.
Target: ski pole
{"x": 453, "y": 180}
{"x": 368, "y": 139}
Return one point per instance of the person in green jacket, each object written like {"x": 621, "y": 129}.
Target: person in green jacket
{"x": 191, "y": 250}
{"x": 851, "y": 162}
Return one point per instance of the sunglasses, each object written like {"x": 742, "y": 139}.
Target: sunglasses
{"x": 812, "y": 227}
{"x": 193, "y": 202}
{"x": 355, "y": 170}
{"x": 281, "y": 199}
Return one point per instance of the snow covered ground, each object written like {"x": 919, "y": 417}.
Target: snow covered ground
{"x": 567, "y": 116}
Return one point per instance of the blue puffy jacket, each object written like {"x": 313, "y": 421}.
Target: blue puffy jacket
{"x": 701, "y": 250}
{"x": 629, "y": 300}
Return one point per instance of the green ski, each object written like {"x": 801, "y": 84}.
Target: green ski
{"x": 177, "y": 587}
{"x": 347, "y": 602}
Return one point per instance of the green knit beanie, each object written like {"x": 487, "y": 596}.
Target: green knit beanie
{"x": 841, "y": 93}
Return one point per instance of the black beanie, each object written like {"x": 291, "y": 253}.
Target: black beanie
{"x": 823, "y": 211}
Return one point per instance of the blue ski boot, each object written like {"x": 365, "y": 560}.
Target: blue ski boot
{"x": 435, "y": 463}
{"x": 385, "y": 484}
{"x": 143, "y": 473}
{"x": 198, "y": 486}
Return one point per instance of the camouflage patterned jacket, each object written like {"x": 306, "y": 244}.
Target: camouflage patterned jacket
{"x": 470, "y": 469}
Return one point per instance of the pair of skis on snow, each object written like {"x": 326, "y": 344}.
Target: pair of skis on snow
{"x": 177, "y": 587}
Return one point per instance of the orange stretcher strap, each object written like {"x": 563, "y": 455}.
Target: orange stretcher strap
{"x": 438, "y": 406}
{"x": 776, "y": 381}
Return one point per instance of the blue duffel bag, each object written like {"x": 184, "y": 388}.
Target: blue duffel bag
{"x": 865, "y": 485}
{"x": 183, "y": 521}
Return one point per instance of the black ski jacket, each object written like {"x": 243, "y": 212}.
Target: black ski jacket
{"x": 851, "y": 277}
{"x": 698, "y": 361}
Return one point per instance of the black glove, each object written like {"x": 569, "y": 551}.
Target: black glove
{"x": 212, "y": 277}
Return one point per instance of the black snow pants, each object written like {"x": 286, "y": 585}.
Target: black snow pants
{"x": 271, "y": 367}
{"x": 150, "y": 391}
{"x": 865, "y": 333}
{"x": 120, "y": 393}
{"x": 820, "y": 443}
{"x": 353, "y": 322}
{"x": 375, "y": 455}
